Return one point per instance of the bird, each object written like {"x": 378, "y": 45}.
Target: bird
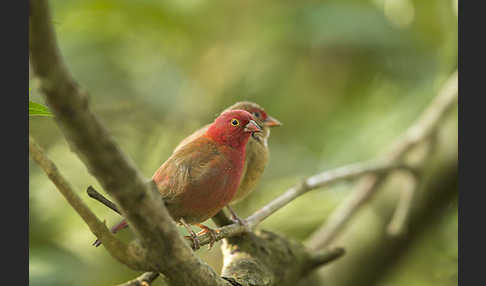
{"x": 201, "y": 177}
{"x": 257, "y": 154}
{"x": 257, "y": 151}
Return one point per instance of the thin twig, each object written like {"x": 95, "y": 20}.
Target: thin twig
{"x": 337, "y": 219}
{"x": 319, "y": 181}
{"x": 92, "y": 193}
{"x": 429, "y": 121}
{"x": 423, "y": 129}
{"x": 115, "y": 247}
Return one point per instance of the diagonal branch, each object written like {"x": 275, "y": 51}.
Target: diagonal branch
{"x": 138, "y": 200}
{"x": 321, "y": 180}
{"x": 92, "y": 193}
{"x": 422, "y": 130}
{"x": 121, "y": 251}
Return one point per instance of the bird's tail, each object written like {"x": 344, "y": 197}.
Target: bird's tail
{"x": 121, "y": 225}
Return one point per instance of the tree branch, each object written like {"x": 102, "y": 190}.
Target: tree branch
{"x": 319, "y": 181}
{"x": 140, "y": 202}
{"x": 262, "y": 250}
{"x": 119, "y": 250}
{"x": 422, "y": 130}
{"x": 92, "y": 193}
{"x": 265, "y": 258}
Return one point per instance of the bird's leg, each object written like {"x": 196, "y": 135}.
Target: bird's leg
{"x": 212, "y": 233}
{"x": 236, "y": 218}
{"x": 192, "y": 235}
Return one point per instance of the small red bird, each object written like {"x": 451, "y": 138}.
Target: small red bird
{"x": 201, "y": 178}
{"x": 257, "y": 151}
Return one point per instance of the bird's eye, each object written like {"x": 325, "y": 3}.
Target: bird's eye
{"x": 257, "y": 114}
{"x": 235, "y": 122}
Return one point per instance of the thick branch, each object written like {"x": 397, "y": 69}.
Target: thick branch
{"x": 121, "y": 251}
{"x": 265, "y": 258}
{"x": 254, "y": 258}
{"x": 139, "y": 202}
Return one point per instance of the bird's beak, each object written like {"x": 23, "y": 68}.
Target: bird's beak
{"x": 271, "y": 122}
{"x": 252, "y": 126}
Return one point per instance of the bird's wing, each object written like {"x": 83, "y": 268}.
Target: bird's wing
{"x": 197, "y": 163}
{"x": 197, "y": 134}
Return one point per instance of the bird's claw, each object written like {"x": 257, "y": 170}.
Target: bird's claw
{"x": 212, "y": 234}
{"x": 96, "y": 243}
{"x": 195, "y": 240}
{"x": 192, "y": 235}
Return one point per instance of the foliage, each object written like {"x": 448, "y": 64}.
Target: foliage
{"x": 37, "y": 109}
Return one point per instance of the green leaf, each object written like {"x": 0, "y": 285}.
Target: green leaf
{"x": 36, "y": 109}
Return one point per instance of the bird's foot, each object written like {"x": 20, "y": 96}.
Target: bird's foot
{"x": 212, "y": 233}
{"x": 195, "y": 241}
{"x": 96, "y": 243}
{"x": 235, "y": 218}
{"x": 192, "y": 235}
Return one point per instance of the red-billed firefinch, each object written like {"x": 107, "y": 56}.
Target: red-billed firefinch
{"x": 257, "y": 152}
{"x": 201, "y": 177}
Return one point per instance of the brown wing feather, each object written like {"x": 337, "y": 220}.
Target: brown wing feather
{"x": 196, "y": 180}
{"x": 197, "y": 134}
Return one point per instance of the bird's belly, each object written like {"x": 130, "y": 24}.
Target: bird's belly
{"x": 202, "y": 204}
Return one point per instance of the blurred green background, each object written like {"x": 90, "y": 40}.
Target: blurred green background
{"x": 345, "y": 78}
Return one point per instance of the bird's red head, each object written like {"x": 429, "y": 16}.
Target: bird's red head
{"x": 233, "y": 128}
